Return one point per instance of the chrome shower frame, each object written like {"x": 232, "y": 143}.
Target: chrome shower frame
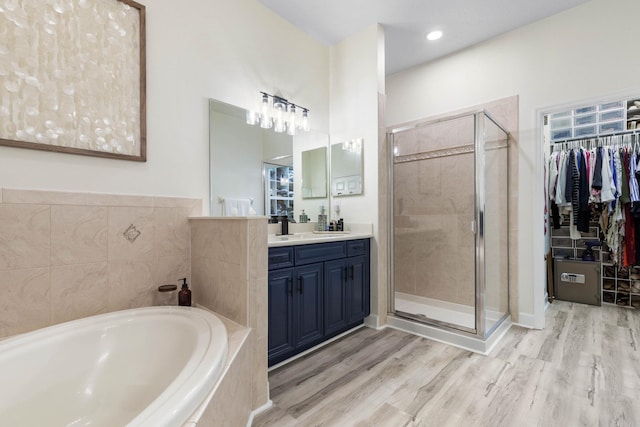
{"x": 480, "y": 331}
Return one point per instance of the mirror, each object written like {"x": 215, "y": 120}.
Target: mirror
{"x": 242, "y": 156}
{"x": 314, "y": 173}
{"x": 346, "y": 168}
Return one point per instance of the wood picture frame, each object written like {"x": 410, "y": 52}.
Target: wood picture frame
{"x": 73, "y": 77}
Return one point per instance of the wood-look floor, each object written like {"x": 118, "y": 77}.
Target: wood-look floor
{"x": 583, "y": 369}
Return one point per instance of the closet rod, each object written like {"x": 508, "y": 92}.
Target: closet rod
{"x": 597, "y": 137}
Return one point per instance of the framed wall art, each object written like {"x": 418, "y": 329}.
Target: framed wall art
{"x": 72, "y": 77}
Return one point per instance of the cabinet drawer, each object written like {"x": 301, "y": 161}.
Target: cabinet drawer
{"x": 307, "y": 254}
{"x": 357, "y": 247}
{"x": 280, "y": 257}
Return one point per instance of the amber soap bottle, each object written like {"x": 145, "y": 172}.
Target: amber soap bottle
{"x": 184, "y": 296}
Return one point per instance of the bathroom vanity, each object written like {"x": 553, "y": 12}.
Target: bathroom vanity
{"x": 318, "y": 288}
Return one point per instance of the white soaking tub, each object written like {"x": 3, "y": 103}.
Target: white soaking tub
{"x": 147, "y": 367}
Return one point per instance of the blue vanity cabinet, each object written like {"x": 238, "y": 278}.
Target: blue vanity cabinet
{"x": 316, "y": 291}
{"x": 347, "y": 297}
{"x": 335, "y": 296}
{"x": 295, "y": 310}
{"x": 357, "y": 289}
{"x": 280, "y": 308}
{"x": 308, "y": 305}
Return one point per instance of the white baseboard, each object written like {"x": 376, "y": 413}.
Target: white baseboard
{"x": 526, "y": 320}
{"x": 373, "y": 321}
{"x": 259, "y": 410}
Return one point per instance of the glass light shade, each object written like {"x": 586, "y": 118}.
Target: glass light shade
{"x": 291, "y": 124}
{"x": 265, "y": 119}
{"x": 305, "y": 121}
{"x": 357, "y": 145}
{"x": 252, "y": 117}
{"x": 278, "y": 108}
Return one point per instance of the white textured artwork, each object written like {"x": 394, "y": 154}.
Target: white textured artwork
{"x": 70, "y": 75}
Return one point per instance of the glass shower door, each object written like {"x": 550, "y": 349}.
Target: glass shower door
{"x": 496, "y": 223}
{"x": 434, "y": 248}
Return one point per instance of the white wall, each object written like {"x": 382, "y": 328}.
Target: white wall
{"x": 354, "y": 114}
{"x": 228, "y": 50}
{"x": 357, "y": 67}
{"x": 583, "y": 53}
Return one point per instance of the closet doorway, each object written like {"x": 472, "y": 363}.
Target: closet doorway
{"x": 449, "y": 228}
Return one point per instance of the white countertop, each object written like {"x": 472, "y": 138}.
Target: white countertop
{"x": 306, "y": 236}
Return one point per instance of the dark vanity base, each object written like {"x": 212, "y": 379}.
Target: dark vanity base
{"x": 316, "y": 292}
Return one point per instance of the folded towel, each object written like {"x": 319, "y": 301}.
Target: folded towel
{"x": 237, "y": 207}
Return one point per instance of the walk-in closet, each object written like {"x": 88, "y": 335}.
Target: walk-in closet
{"x": 592, "y": 196}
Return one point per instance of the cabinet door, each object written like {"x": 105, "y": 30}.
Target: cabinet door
{"x": 335, "y": 308}
{"x": 308, "y": 306}
{"x": 280, "y": 329}
{"x": 357, "y": 289}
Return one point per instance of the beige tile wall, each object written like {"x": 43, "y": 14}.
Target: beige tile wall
{"x": 229, "y": 267}
{"x": 63, "y": 255}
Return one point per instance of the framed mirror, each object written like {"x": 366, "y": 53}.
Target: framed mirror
{"x": 346, "y": 168}
{"x": 243, "y": 158}
{"x": 314, "y": 173}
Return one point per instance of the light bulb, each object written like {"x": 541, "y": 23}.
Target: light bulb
{"x": 357, "y": 145}
{"x": 265, "y": 119}
{"x": 305, "y": 120}
{"x": 252, "y": 117}
{"x": 278, "y": 106}
{"x": 291, "y": 125}
{"x": 434, "y": 35}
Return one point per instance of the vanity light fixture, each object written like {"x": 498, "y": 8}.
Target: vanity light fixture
{"x": 434, "y": 35}
{"x": 352, "y": 145}
{"x": 279, "y": 114}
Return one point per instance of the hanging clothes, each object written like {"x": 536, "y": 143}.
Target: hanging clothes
{"x": 584, "y": 211}
{"x": 604, "y": 179}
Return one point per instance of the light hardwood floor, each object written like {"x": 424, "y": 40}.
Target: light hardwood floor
{"x": 583, "y": 369}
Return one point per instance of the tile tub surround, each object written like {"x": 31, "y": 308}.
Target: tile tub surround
{"x": 229, "y": 268}
{"x": 230, "y": 402}
{"x": 64, "y": 255}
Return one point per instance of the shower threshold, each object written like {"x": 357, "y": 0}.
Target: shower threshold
{"x": 440, "y": 311}
{"x": 442, "y": 321}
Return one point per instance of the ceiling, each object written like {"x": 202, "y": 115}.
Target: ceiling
{"x": 406, "y": 22}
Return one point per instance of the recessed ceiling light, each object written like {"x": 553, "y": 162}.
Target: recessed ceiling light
{"x": 434, "y": 35}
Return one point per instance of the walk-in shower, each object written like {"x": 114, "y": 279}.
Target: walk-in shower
{"x": 450, "y": 246}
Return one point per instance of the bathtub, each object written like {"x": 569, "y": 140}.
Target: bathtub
{"x": 150, "y": 367}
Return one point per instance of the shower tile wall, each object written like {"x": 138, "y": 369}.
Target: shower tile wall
{"x": 65, "y": 255}
{"x": 434, "y": 246}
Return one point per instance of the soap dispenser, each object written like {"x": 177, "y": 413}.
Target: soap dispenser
{"x": 184, "y": 296}
{"x": 303, "y": 218}
{"x": 322, "y": 219}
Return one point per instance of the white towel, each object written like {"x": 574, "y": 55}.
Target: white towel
{"x": 237, "y": 207}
